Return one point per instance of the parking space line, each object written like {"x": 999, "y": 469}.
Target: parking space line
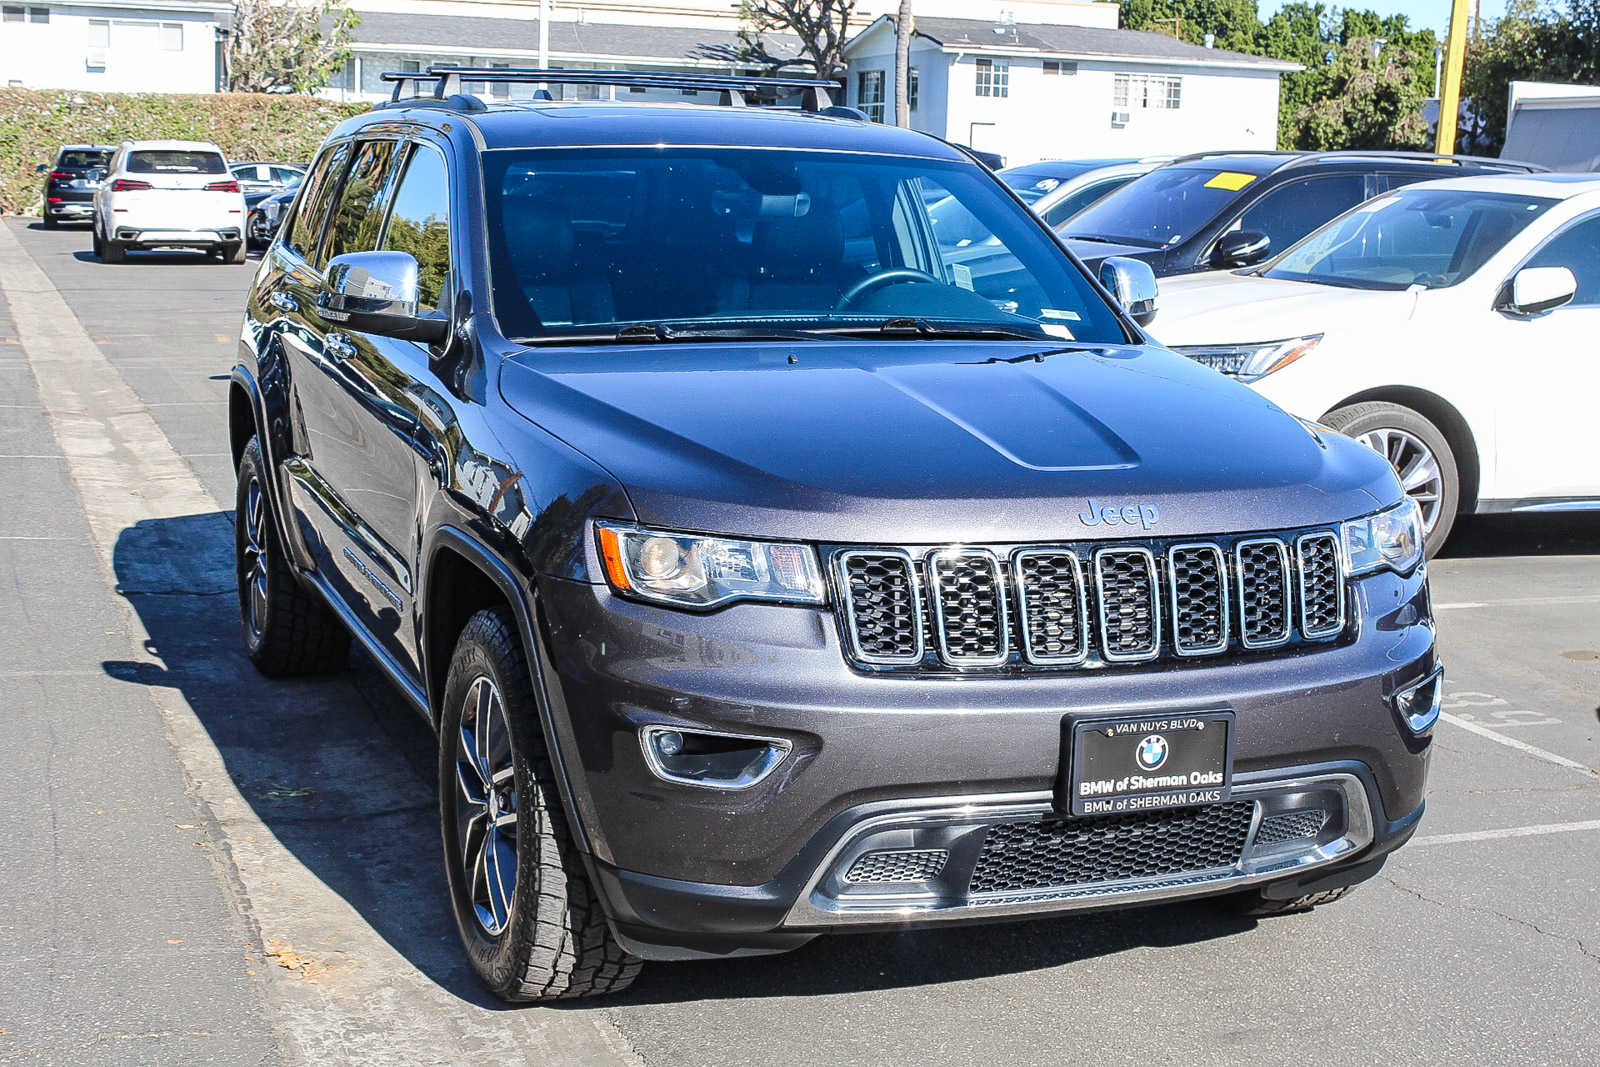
{"x": 1511, "y": 831}
{"x": 1526, "y": 601}
{"x": 1521, "y": 746}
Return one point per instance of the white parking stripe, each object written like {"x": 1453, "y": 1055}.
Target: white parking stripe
{"x": 1462, "y": 605}
{"x": 1511, "y": 831}
{"x": 1521, "y": 746}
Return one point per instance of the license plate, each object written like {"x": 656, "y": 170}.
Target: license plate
{"x": 1149, "y": 763}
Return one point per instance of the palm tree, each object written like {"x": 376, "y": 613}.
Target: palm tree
{"x": 902, "y": 65}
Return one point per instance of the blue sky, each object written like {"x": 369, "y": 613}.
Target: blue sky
{"x": 1422, "y": 13}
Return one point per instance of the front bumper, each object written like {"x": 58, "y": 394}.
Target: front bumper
{"x": 882, "y": 764}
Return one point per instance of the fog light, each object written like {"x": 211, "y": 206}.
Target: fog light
{"x": 710, "y": 759}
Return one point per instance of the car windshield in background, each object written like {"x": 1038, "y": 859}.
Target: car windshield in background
{"x": 742, "y": 242}
{"x": 83, "y": 160}
{"x": 1030, "y": 183}
{"x": 152, "y": 161}
{"x": 1163, "y": 207}
{"x": 1428, "y": 237}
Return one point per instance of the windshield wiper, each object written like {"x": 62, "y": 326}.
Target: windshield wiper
{"x": 908, "y": 326}
{"x": 644, "y": 333}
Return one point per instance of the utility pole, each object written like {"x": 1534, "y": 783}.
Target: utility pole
{"x": 1450, "y": 92}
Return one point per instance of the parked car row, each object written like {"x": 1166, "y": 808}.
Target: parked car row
{"x": 160, "y": 194}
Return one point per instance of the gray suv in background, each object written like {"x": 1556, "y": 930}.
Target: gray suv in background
{"x": 767, "y": 574}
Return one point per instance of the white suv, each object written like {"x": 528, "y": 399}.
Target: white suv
{"x": 1450, "y": 325}
{"x": 162, "y": 194}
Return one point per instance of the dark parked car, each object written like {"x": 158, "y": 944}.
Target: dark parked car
{"x": 70, "y": 183}
{"x": 1221, "y": 210}
{"x": 763, "y": 579}
{"x": 264, "y": 212}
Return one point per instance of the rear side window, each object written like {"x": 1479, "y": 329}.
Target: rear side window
{"x": 305, "y": 234}
{"x": 160, "y": 161}
{"x": 420, "y": 222}
{"x": 358, "y": 218}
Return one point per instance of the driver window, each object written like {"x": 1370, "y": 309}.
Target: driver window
{"x": 1295, "y": 208}
{"x": 1578, "y": 249}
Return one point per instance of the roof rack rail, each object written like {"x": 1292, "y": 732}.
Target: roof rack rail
{"x": 1303, "y": 158}
{"x": 446, "y": 80}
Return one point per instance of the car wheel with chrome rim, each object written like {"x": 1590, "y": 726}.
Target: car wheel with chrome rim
{"x": 524, "y": 906}
{"x": 1420, "y": 455}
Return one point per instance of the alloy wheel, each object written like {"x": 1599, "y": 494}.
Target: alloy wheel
{"x": 1415, "y": 465}
{"x": 486, "y": 806}
{"x": 253, "y": 567}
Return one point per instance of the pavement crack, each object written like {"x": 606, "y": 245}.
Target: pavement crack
{"x": 1578, "y": 942}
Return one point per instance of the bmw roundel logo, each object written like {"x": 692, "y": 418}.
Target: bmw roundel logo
{"x": 1152, "y": 752}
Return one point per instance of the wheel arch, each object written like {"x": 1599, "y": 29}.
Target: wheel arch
{"x": 1439, "y": 411}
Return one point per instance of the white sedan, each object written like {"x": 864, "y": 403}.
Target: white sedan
{"x": 1450, "y": 325}
{"x": 169, "y": 194}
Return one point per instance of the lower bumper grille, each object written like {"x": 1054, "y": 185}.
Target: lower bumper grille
{"x": 1062, "y": 853}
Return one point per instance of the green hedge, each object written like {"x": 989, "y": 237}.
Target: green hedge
{"x": 33, "y": 124}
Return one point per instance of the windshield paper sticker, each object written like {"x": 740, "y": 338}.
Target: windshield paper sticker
{"x": 963, "y": 275}
{"x": 1231, "y": 180}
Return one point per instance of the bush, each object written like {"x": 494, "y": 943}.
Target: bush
{"x": 34, "y": 123}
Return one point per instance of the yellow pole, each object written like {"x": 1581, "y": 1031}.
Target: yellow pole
{"x": 1450, "y": 92}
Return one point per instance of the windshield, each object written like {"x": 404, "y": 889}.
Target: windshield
{"x": 1163, "y": 207}
{"x": 151, "y": 161}
{"x": 584, "y": 243}
{"x": 1030, "y": 183}
{"x": 1427, "y": 237}
{"x": 83, "y": 160}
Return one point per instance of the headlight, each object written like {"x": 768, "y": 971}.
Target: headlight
{"x": 1251, "y": 362}
{"x": 1391, "y": 539}
{"x": 691, "y": 571}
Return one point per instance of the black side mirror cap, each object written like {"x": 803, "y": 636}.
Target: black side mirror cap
{"x": 1241, "y": 248}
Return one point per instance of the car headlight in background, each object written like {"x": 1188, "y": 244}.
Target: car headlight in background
{"x": 1391, "y": 538}
{"x": 691, "y": 571}
{"x": 1251, "y": 362}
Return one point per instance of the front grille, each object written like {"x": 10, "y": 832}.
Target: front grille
{"x": 908, "y": 865}
{"x": 1038, "y": 606}
{"x": 1291, "y": 826}
{"x": 1062, "y": 853}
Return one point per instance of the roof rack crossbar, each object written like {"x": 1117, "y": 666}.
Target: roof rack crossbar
{"x": 445, "y": 80}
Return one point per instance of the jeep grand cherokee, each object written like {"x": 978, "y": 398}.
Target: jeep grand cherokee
{"x": 765, "y": 576}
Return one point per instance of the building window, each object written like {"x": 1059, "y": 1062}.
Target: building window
{"x": 994, "y": 77}
{"x": 500, "y": 90}
{"x": 411, "y": 66}
{"x": 1060, "y": 67}
{"x": 1159, "y": 92}
{"x": 99, "y": 33}
{"x": 911, "y": 88}
{"x": 172, "y": 36}
{"x": 869, "y": 93}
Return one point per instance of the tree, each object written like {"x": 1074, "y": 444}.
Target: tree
{"x": 904, "y": 28}
{"x": 1372, "y": 99}
{"x": 823, "y": 26}
{"x": 1233, "y": 22}
{"x": 1528, "y": 43}
{"x": 283, "y": 46}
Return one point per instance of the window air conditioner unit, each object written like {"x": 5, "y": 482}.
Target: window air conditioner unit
{"x": 96, "y": 59}
{"x": 1120, "y": 118}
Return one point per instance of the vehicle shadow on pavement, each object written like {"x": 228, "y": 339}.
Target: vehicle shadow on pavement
{"x": 339, "y": 770}
{"x": 1480, "y": 536}
{"x": 163, "y": 259}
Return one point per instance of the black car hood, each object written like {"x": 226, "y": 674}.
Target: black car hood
{"x": 938, "y": 441}
{"x": 1092, "y": 252}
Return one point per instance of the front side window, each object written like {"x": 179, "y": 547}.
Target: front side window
{"x": 1295, "y": 208}
{"x": 358, "y": 215}
{"x": 994, "y": 77}
{"x": 869, "y": 93}
{"x": 1163, "y": 207}
{"x": 1428, "y": 237}
{"x": 305, "y": 233}
{"x": 584, "y": 243}
{"x": 420, "y": 223}
{"x": 1578, "y": 249}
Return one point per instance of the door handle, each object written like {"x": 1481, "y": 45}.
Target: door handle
{"x": 338, "y": 347}
{"x": 283, "y": 301}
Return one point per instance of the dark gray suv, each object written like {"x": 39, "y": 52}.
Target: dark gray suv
{"x": 766, "y": 574}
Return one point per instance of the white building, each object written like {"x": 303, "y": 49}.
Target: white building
{"x": 137, "y": 46}
{"x": 1032, "y": 91}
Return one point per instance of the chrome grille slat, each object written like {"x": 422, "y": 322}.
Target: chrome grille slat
{"x": 1088, "y": 604}
{"x": 1129, "y": 604}
{"x": 968, "y": 588}
{"x": 1197, "y": 581}
{"x": 1317, "y": 565}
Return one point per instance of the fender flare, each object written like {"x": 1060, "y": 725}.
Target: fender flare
{"x": 504, "y": 579}
{"x": 242, "y": 379}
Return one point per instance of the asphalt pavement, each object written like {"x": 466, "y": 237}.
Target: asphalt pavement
{"x": 201, "y": 865}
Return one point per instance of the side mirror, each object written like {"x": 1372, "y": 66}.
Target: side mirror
{"x": 1241, "y": 248}
{"x": 41, "y": 168}
{"x": 1535, "y": 290}
{"x": 1133, "y": 284}
{"x": 376, "y": 292}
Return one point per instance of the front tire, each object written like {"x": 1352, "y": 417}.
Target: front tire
{"x": 528, "y": 917}
{"x": 1256, "y": 905}
{"x": 1420, "y": 455}
{"x": 51, "y": 223}
{"x": 287, "y": 629}
{"x": 111, "y": 251}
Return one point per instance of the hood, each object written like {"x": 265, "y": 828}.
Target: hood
{"x": 927, "y": 442}
{"x": 1092, "y": 252}
{"x": 1224, "y": 307}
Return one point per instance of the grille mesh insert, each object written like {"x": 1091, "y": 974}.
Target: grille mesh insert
{"x": 1126, "y": 581}
{"x": 1053, "y": 601}
{"x": 909, "y": 865}
{"x": 1199, "y": 598}
{"x": 1263, "y": 593}
{"x": 1291, "y": 826}
{"x": 884, "y": 602}
{"x": 1060, "y": 853}
{"x": 970, "y": 604}
{"x": 1322, "y": 609}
